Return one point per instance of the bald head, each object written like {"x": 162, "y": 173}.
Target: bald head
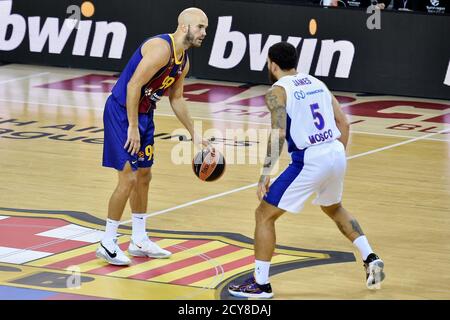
{"x": 191, "y": 16}
{"x": 192, "y": 24}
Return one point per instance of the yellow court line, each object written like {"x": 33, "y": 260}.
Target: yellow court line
{"x": 98, "y": 263}
{"x": 72, "y": 253}
{"x": 315, "y": 255}
{"x": 214, "y": 262}
{"x": 213, "y": 281}
{"x": 109, "y": 287}
{"x": 245, "y": 245}
{"x": 156, "y": 263}
{"x": 152, "y": 234}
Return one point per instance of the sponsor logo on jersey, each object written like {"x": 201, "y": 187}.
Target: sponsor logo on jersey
{"x": 299, "y": 95}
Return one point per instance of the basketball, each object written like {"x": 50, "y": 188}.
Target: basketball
{"x": 208, "y": 165}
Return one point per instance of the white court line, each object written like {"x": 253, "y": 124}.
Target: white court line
{"x": 268, "y": 124}
{"x": 190, "y": 203}
{"x": 53, "y": 104}
{"x": 23, "y": 78}
{"x": 395, "y": 135}
{"x": 197, "y": 118}
{"x": 398, "y": 144}
{"x": 215, "y": 119}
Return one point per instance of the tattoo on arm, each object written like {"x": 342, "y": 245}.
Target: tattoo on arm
{"x": 277, "y": 110}
{"x": 275, "y": 144}
{"x": 268, "y": 161}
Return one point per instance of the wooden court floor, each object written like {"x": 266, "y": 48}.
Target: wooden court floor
{"x": 54, "y": 193}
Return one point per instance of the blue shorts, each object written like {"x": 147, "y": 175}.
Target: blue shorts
{"x": 115, "y": 121}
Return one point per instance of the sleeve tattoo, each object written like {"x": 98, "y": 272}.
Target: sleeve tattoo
{"x": 278, "y": 119}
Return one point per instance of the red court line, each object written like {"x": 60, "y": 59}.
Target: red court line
{"x": 73, "y": 261}
{"x": 138, "y": 260}
{"x": 213, "y": 271}
{"x": 21, "y": 233}
{"x": 185, "y": 263}
{"x": 37, "y": 225}
{"x": 63, "y": 264}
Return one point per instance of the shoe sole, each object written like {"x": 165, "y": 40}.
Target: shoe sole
{"x": 239, "y": 294}
{"x": 107, "y": 259}
{"x": 376, "y": 275}
{"x": 138, "y": 253}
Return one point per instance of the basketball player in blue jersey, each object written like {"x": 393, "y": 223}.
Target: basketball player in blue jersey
{"x": 309, "y": 118}
{"x": 160, "y": 64}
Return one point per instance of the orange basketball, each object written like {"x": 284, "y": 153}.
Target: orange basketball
{"x": 208, "y": 166}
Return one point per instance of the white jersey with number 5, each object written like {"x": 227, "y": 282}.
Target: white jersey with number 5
{"x": 310, "y": 116}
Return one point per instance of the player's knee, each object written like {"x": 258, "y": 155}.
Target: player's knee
{"x": 128, "y": 181}
{"x": 260, "y": 217}
{"x": 144, "y": 176}
{"x": 263, "y": 216}
{"x": 331, "y": 210}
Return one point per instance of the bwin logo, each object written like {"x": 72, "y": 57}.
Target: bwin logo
{"x": 57, "y": 37}
{"x": 258, "y": 52}
{"x": 447, "y": 76}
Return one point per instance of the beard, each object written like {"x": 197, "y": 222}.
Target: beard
{"x": 272, "y": 77}
{"x": 189, "y": 40}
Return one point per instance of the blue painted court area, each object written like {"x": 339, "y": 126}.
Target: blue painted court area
{"x": 15, "y": 293}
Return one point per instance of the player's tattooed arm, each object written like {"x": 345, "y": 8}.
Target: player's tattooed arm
{"x": 276, "y": 103}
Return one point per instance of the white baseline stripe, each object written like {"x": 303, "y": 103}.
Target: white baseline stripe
{"x": 25, "y": 77}
{"x": 53, "y": 104}
{"x": 398, "y": 144}
{"x": 393, "y": 135}
{"x": 200, "y": 118}
{"x": 190, "y": 203}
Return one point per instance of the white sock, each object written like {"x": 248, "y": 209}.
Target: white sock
{"x": 262, "y": 271}
{"x": 110, "y": 230}
{"x": 363, "y": 246}
{"x": 138, "y": 226}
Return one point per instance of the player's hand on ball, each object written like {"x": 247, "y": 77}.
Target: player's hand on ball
{"x": 207, "y": 145}
{"x": 203, "y": 143}
{"x": 263, "y": 186}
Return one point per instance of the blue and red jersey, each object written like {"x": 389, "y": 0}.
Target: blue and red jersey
{"x": 153, "y": 90}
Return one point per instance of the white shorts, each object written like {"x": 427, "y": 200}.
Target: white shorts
{"x": 319, "y": 169}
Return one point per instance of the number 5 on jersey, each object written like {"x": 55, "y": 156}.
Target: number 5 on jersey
{"x": 319, "y": 122}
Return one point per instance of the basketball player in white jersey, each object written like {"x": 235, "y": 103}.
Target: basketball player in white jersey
{"x": 309, "y": 118}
